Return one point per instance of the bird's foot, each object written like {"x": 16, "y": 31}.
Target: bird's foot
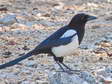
{"x": 70, "y": 71}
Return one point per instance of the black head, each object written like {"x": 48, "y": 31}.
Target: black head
{"x": 81, "y": 19}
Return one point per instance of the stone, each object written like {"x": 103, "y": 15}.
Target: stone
{"x": 7, "y": 53}
{"x": 17, "y": 26}
{"x": 3, "y": 9}
{"x": 59, "y": 5}
{"x": 47, "y": 23}
{"x": 2, "y": 81}
{"x": 105, "y": 44}
{"x": 31, "y": 63}
{"x": 25, "y": 48}
{"x": 8, "y": 19}
{"x": 65, "y": 78}
{"x": 25, "y": 82}
{"x": 88, "y": 77}
{"x": 104, "y": 75}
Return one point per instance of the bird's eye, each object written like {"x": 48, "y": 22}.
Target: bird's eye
{"x": 82, "y": 17}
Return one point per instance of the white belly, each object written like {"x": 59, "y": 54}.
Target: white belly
{"x": 68, "y": 49}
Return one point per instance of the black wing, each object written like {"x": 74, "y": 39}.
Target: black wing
{"x": 57, "y": 42}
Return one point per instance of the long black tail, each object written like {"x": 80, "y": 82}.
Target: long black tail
{"x": 13, "y": 62}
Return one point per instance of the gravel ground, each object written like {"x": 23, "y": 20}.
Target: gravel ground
{"x": 25, "y": 23}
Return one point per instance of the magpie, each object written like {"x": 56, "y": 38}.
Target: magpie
{"x": 61, "y": 43}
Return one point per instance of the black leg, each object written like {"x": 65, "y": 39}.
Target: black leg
{"x": 59, "y": 61}
{"x": 69, "y": 68}
{"x": 66, "y": 66}
{"x": 60, "y": 66}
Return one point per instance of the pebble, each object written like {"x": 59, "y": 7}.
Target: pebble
{"x": 8, "y": 19}
{"x": 27, "y": 82}
{"x": 108, "y": 37}
{"x": 12, "y": 42}
{"x": 31, "y": 23}
{"x": 88, "y": 77}
{"x": 58, "y": 6}
{"x": 3, "y": 9}
{"x": 18, "y": 26}
{"x": 31, "y": 63}
{"x": 46, "y": 23}
{"x": 7, "y": 54}
{"x": 26, "y": 48}
{"x": 65, "y": 78}
{"x": 104, "y": 44}
{"x": 110, "y": 1}
{"x": 2, "y": 81}
{"x": 104, "y": 75}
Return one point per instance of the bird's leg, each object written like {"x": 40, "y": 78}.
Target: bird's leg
{"x": 57, "y": 61}
{"x": 66, "y": 66}
{"x": 68, "y": 70}
{"x": 60, "y": 66}
{"x": 60, "y": 59}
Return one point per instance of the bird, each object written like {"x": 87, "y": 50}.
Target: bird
{"x": 61, "y": 43}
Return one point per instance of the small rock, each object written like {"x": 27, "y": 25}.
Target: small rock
{"x": 3, "y": 9}
{"x": 87, "y": 46}
{"x": 7, "y": 54}
{"x": 31, "y": 64}
{"x": 88, "y": 77}
{"x": 105, "y": 44}
{"x": 108, "y": 69}
{"x": 109, "y": 18}
{"x": 108, "y": 37}
{"x": 26, "y": 82}
{"x": 47, "y": 15}
{"x": 31, "y": 23}
{"x": 101, "y": 58}
{"x": 110, "y": 1}
{"x": 47, "y": 23}
{"x": 65, "y": 78}
{"x": 101, "y": 53}
{"x": 11, "y": 43}
{"x": 69, "y": 11}
{"x": 2, "y": 81}
{"x": 41, "y": 82}
{"x": 107, "y": 80}
{"x": 25, "y": 71}
{"x": 104, "y": 75}
{"x": 22, "y": 54}
{"x": 59, "y": 5}
{"x": 35, "y": 11}
{"x": 26, "y": 48}
{"x": 8, "y": 20}
{"x": 18, "y": 26}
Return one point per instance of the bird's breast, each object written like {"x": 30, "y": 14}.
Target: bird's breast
{"x": 68, "y": 49}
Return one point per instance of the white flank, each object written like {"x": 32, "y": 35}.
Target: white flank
{"x": 69, "y": 48}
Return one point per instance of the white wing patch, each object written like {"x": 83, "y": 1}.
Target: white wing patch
{"x": 69, "y": 33}
{"x": 68, "y": 49}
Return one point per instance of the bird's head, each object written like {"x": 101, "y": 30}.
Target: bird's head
{"x": 81, "y": 19}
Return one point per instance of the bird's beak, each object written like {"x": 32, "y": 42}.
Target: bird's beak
{"x": 91, "y": 18}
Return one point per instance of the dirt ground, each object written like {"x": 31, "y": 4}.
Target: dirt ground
{"x": 34, "y": 20}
